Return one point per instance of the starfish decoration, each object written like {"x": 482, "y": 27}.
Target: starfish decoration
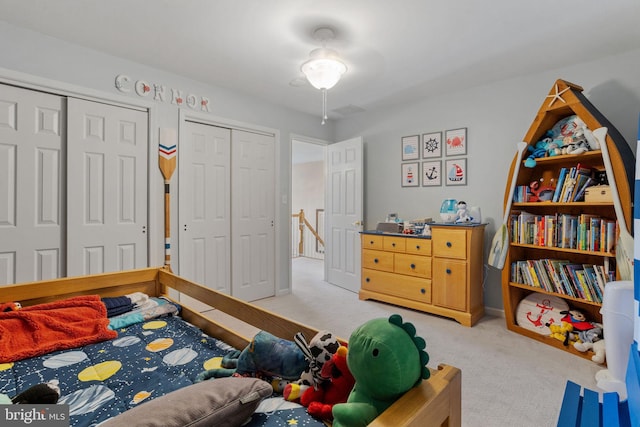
{"x": 557, "y": 95}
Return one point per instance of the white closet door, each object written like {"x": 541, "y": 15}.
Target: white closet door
{"x": 107, "y": 188}
{"x": 204, "y": 205}
{"x": 253, "y": 211}
{"x": 32, "y": 128}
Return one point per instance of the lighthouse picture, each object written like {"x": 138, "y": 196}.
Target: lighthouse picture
{"x": 410, "y": 174}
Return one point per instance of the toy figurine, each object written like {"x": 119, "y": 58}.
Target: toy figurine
{"x": 462, "y": 215}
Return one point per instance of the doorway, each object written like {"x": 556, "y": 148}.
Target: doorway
{"x": 307, "y": 208}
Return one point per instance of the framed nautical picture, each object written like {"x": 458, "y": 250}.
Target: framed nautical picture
{"x": 432, "y": 173}
{"x": 456, "y": 140}
{"x": 411, "y": 147}
{"x": 431, "y": 145}
{"x": 455, "y": 171}
{"x": 410, "y": 174}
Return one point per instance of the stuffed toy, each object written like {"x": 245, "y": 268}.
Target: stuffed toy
{"x": 568, "y": 136}
{"x": 462, "y": 215}
{"x": 577, "y": 319}
{"x": 386, "y": 359}
{"x": 273, "y": 359}
{"x": 562, "y": 332}
{"x": 319, "y": 351}
{"x": 44, "y": 393}
{"x": 320, "y": 401}
{"x": 598, "y": 348}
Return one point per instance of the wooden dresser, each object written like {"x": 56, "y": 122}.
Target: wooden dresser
{"x": 440, "y": 275}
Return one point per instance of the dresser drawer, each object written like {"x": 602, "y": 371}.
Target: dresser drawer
{"x": 418, "y": 246}
{"x": 377, "y": 260}
{"x": 407, "y": 287}
{"x": 414, "y": 265}
{"x": 370, "y": 241}
{"x": 394, "y": 244}
{"x": 449, "y": 243}
{"x": 450, "y": 283}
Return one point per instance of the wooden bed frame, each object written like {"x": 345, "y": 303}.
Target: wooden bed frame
{"x": 436, "y": 402}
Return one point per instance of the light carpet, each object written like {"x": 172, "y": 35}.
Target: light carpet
{"x": 507, "y": 379}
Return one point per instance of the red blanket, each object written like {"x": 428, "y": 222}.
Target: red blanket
{"x": 43, "y": 328}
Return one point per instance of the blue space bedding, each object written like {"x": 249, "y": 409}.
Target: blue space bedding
{"x": 146, "y": 360}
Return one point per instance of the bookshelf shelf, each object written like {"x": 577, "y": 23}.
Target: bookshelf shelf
{"x": 563, "y": 296}
{"x": 577, "y": 276}
{"x": 566, "y": 250}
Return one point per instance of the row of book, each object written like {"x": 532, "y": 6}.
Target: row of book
{"x": 569, "y": 187}
{"x": 585, "y": 281}
{"x": 585, "y": 232}
{"x": 572, "y": 183}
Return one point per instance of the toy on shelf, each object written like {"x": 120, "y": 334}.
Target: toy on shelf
{"x": 539, "y": 192}
{"x": 568, "y": 136}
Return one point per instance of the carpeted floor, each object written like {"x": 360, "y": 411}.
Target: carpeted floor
{"x": 507, "y": 379}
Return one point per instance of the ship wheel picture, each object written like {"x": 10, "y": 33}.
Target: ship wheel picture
{"x": 431, "y": 145}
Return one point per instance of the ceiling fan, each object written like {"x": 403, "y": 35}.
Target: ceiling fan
{"x": 323, "y": 69}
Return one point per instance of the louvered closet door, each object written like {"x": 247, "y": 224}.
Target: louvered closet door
{"x": 204, "y": 205}
{"x": 31, "y": 134}
{"x": 107, "y": 188}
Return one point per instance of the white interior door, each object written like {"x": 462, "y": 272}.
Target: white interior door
{"x": 344, "y": 213}
{"x": 204, "y": 234}
{"x": 32, "y": 128}
{"x": 253, "y": 215}
{"x": 106, "y": 188}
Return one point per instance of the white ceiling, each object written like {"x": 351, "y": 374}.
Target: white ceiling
{"x": 395, "y": 50}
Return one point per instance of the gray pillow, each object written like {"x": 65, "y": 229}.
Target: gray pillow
{"x": 223, "y": 402}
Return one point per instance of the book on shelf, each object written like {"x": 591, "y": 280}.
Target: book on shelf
{"x": 561, "y": 177}
{"x": 586, "y": 232}
{"x": 561, "y": 276}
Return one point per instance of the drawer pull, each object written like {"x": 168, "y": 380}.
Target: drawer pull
{"x": 418, "y": 247}
{"x": 367, "y": 280}
{"x": 371, "y": 242}
{"x": 448, "y": 271}
{"x": 413, "y": 266}
{"x": 375, "y": 260}
{"x": 448, "y": 244}
{"x": 423, "y": 291}
{"x": 393, "y": 244}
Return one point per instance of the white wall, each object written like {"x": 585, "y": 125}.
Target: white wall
{"x": 27, "y": 56}
{"x": 496, "y": 116}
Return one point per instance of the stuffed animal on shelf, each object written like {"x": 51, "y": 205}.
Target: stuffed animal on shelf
{"x": 569, "y": 135}
{"x": 598, "y": 348}
{"x": 317, "y": 352}
{"x": 320, "y": 401}
{"x": 43, "y": 393}
{"x": 273, "y": 359}
{"x": 386, "y": 359}
{"x": 562, "y": 332}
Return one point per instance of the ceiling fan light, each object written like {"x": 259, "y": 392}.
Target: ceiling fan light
{"x": 324, "y": 69}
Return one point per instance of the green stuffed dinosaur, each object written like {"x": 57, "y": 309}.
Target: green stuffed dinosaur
{"x": 386, "y": 358}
